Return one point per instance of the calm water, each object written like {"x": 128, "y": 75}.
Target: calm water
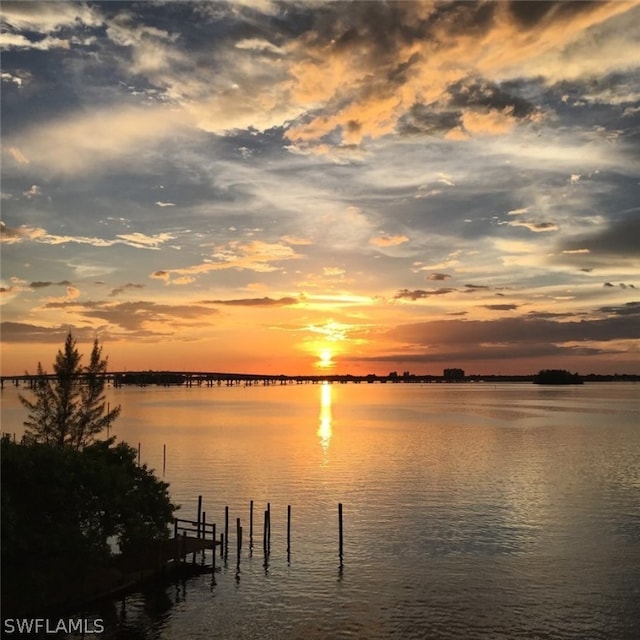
{"x": 471, "y": 511}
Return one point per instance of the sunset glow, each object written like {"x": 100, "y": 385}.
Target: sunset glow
{"x": 326, "y": 360}
{"x": 289, "y": 188}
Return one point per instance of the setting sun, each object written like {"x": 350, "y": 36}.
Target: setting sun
{"x": 325, "y": 359}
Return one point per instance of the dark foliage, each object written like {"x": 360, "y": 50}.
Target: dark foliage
{"x": 63, "y": 509}
{"x": 557, "y": 376}
{"x": 70, "y": 409}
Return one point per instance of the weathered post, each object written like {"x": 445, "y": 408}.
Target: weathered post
{"x": 226, "y": 530}
{"x": 238, "y": 538}
{"x": 288, "y": 532}
{"x": 164, "y": 458}
{"x": 204, "y": 533}
{"x": 213, "y": 555}
{"x": 250, "y": 526}
{"x": 340, "y": 530}
{"x": 264, "y": 533}
{"x": 199, "y": 516}
{"x": 138, "y": 454}
{"x": 269, "y": 526}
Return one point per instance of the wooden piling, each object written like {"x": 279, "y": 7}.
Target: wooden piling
{"x": 199, "y": 526}
{"x": 164, "y": 458}
{"x": 288, "y": 531}
{"x": 238, "y": 538}
{"x": 264, "y": 533}
{"x": 269, "y": 526}
{"x": 340, "y": 530}
{"x": 138, "y": 454}
{"x": 226, "y": 530}
{"x": 251, "y": 525}
{"x": 204, "y": 532}
{"x": 213, "y": 555}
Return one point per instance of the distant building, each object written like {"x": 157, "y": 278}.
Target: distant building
{"x": 453, "y": 375}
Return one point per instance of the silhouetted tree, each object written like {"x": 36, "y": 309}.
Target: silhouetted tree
{"x": 62, "y": 508}
{"x": 70, "y": 409}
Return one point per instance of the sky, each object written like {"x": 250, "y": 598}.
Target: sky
{"x": 306, "y": 187}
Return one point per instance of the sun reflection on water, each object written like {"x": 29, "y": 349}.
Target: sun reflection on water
{"x": 324, "y": 430}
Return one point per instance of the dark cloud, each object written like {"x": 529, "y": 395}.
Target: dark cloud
{"x": 620, "y": 238}
{"x": 39, "y": 284}
{"x": 255, "y": 302}
{"x": 546, "y": 315}
{"x": 529, "y": 13}
{"x": 496, "y": 352}
{"x": 425, "y": 119}
{"x": 501, "y": 307}
{"x": 24, "y": 332}
{"x": 134, "y": 316}
{"x": 518, "y": 330}
{"x": 125, "y": 287}
{"x": 416, "y": 294}
{"x": 627, "y": 309}
{"x": 473, "y": 94}
{"x": 438, "y": 118}
{"x": 375, "y": 28}
{"x": 438, "y": 276}
{"x": 472, "y": 288}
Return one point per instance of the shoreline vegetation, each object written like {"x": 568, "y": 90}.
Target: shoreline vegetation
{"x": 557, "y": 376}
{"x": 80, "y": 516}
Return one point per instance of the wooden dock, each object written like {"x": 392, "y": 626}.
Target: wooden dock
{"x": 178, "y": 555}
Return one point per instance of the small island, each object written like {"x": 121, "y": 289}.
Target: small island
{"x": 557, "y": 376}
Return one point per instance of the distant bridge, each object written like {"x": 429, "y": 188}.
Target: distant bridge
{"x": 215, "y": 378}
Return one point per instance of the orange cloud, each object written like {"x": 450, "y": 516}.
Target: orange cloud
{"x": 253, "y": 256}
{"x": 359, "y": 78}
{"x": 388, "y": 241}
